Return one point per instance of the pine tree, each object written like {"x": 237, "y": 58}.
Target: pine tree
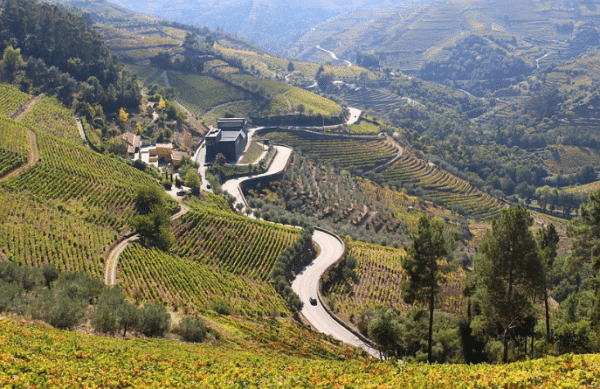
{"x": 421, "y": 264}
{"x": 509, "y": 272}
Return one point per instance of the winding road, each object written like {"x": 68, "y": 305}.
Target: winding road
{"x": 306, "y": 284}
{"x": 279, "y": 163}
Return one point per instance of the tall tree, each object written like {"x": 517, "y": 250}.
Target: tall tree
{"x": 547, "y": 240}
{"x": 509, "y": 271}
{"x": 584, "y": 231}
{"x": 429, "y": 246}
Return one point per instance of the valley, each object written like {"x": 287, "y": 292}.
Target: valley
{"x": 410, "y": 196}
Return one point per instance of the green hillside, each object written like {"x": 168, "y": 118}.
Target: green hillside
{"x": 40, "y": 356}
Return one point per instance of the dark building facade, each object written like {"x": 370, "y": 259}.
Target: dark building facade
{"x": 229, "y": 138}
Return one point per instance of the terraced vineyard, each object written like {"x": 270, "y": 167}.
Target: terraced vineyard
{"x": 230, "y": 242}
{"x": 72, "y": 360}
{"x": 380, "y": 276}
{"x": 68, "y": 207}
{"x": 268, "y": 64}
{"x": 153, "y": 275}
{"x": 282, "y": 93}
{"x": 14, "y": 145}
{"x": 312, "y": 102}
{"x": 200, "y": 93}
{"x": 50, "y": 115}
{"x": 568, "y": 159}
{"x": 102, "y": 187}
{"x": 362, "y": 153}
{"x": 379, "y": 100}
{"x": 12, "y": 99}
{"x": 450, "y": 190}
{"x": 34, "y": 233}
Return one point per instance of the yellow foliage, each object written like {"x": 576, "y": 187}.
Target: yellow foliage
{"x": 123, "y": 116}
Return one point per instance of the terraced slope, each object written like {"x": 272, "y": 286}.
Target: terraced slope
{"x": 12, "y": 99}
{"x": 152, "y": 275}
{"x": 231, "y": 242}
{"x": 50, "y": 115}
{"x": 379, "y": 100}
{"x": 14, "y": 145}
{"x": 68, "y": 360}
{"x": 68, "y": 207}
{"x": 380, "y": 276}
{"x": 450, "y": 190}
{"x": 364, "y": 153}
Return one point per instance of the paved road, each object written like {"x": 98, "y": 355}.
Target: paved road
{"x": 354, "y": 115}
{"x": 306, "y": 285}
{"x": 278, "y": 164}
{"x": 200, "y": 158}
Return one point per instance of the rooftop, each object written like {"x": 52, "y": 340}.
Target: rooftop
{"x": 231, "y": 123}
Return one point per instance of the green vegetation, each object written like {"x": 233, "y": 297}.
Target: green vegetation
{"x": 508, "y": 272}
{"x": 153, "y": 221}
{"x": 65, "y": 57}
{"x": 359, "y": 153}
{"x": 200, "y": 93}
{"x": 254, "y": 152}
{"x": 365, "y": 126}
{"x": 88, "y": 195}
{"x": 70, "y": 359}
{"x": 14, "y": 145}
{"x": 379, "y": 279}
{"x": 12, "y": 100}
{"x": 482, "y": 63}
{"x": 429, "y": 246}
{"x": 190, "y": 286}
{"x": 231, "y": 242}
{"x": 312, "y": 103}
{"x": 440, "y": 186}
{"x": 50, "y": 115}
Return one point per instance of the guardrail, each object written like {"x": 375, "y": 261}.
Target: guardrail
{"x": 325, "y": 306}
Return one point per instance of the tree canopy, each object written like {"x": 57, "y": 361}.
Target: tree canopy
{"x": 428, "y": 247}
{"x": 509, "y": 272}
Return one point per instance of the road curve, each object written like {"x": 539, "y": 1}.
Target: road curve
{"x": 110, "y": 273}
{"x": 306, "y": 285}
{"x": 279, "y": 163}
{"x": 112, "y": 259}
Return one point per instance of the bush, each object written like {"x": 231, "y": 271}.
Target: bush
{"x": 10, "y": 294}
{"x": 154, "y": 320}
{"x": 193, "y": 329}
{"x": 220, "y": 306}
{"x": 59, "y": 309}
{"x": 574, "y": 337}
{"x": 113, "y": 312}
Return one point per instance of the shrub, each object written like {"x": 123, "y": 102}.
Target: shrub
{"x": 59, "y": 309}
{"x": 154, "y": 320}
{"x": 193, "y": 329}
{"x": 220, "y": 306}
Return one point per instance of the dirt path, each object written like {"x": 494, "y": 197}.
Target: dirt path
{"x": 391, "y": 161}
{"x": 80, "y": 128}
{"x": 112, "y": 257}
{"x": 287, "y": 100}
{"x": 34, "y": 151}
{"x": 110, "y": 274}
{"x": 30, "y": 104}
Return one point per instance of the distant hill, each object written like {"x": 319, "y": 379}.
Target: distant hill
{"x": 272, "y": 24}
{"x": 408, "y": 36}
